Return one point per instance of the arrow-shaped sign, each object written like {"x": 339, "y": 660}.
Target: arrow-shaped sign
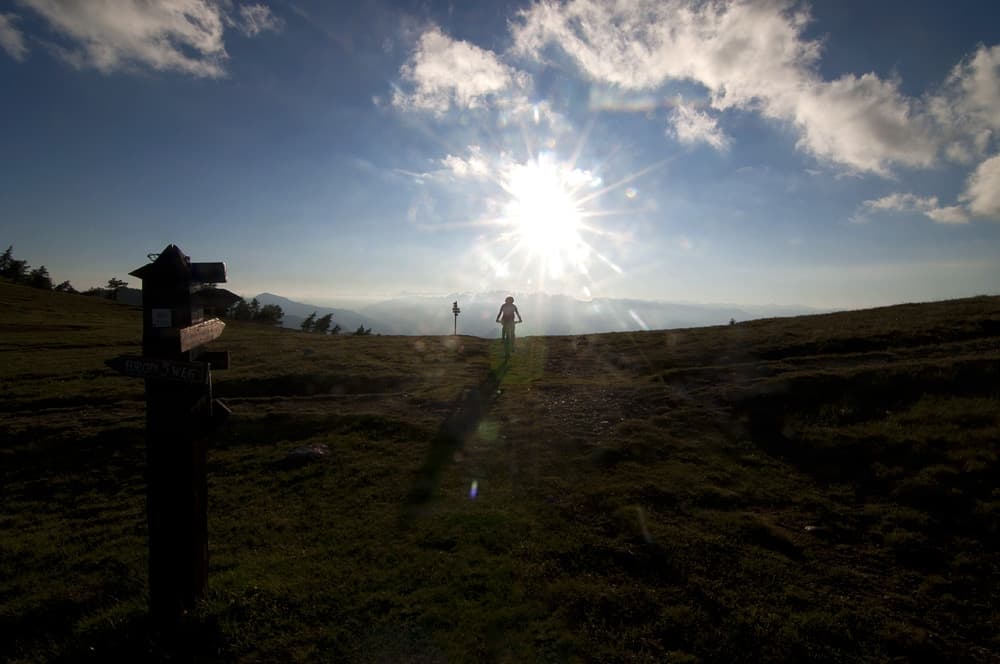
{"x": 187, "y": 338}
{"x": 200, "y": 334}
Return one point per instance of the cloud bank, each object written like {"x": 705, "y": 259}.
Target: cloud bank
{"x": 748, "y": 57}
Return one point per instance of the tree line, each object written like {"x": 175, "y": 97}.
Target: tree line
{"x": 19, "y": 272}
{"x": 255, "y": 312}
{"x": 322, "y": 325}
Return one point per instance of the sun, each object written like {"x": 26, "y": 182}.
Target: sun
{"x": 543, "y": 217}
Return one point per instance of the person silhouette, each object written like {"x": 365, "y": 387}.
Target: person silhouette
{"x": 508, "y": 310}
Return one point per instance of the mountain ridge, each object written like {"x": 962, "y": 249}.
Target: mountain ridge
{"x": 544, "y": 314}
{"x": 295, "y": 312}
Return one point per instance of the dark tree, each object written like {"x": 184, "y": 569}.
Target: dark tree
{"x": 39, "y": 278}
{"x": 114, "y": 285}
{"x": 12, "y": 268}
{"x": 65, "y": 287}
{"x": 240, "y": 311}
{"x": 16, "y": 271}
{"x": 270, "y": 314}
{"x": 307, "y": 324}
{"x": 336, "y": 329}
{"x": 254, "y": 308}
{"x": 323, "y": 324}
{"x": 361, "y": 331}
{"x": 6, "y": 259}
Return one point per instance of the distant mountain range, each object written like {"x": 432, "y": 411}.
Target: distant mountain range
{"x": 543, "y": 314}
{"x": 296, "y": 312}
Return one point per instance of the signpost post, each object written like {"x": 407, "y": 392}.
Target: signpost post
{"x": 179, "y": 406}
{"x": 455, "y": 310}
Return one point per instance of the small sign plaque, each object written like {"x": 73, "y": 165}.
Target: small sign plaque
{"x": 151, "y": 367}
{"x": 161, "y": 317}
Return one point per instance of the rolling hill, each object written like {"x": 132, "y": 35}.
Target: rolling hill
{"x": 814, "y": 488}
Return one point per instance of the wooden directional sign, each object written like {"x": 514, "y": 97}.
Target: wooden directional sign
{"x": 200, "y": 334}
{"x": 152, "y": 367}
{"x": 176, "y": 341}
{"x": 208, "y": 273}
{"x": 214, "y": 298}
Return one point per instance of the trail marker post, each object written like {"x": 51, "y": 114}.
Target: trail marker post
{"x": 179, "y": 408}
{"x": 455, "y": 310}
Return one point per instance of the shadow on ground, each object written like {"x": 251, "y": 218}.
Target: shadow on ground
{"x": 470, "y": 408}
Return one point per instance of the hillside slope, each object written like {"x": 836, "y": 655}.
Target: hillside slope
{"x": 820, "y": 488}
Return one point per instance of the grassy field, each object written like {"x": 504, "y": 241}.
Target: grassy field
{"x": 821, "y": 488}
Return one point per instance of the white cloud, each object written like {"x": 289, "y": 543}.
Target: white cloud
{"x": 443, "y": 73}
{"x": 166, "y": 35}
{"x": 903, "y": 203}
{"x": 473, "y": 166}
{"x": 863, "y": 123}
{"x": 255, "y": 19}
{"x": 981, "y": 198}
{"x": 911, "y": 203}
{"x": 954, "y": 214}
{"x": 11, "y": 39}
{"x": 181, "y": 35}
{"x": 750, "y": 56}
{"x": 690, "y": 126}
{"x": 977, "y": 78}
{"x": 968, "y": 106}
{"x": 982, "y": 190}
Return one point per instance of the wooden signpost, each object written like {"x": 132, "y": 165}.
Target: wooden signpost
{"x": 179, "y": 408}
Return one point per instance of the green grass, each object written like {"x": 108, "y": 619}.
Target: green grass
{"x": 817, "y": 488}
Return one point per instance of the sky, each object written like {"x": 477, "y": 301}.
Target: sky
{"x": 833, "y": 154}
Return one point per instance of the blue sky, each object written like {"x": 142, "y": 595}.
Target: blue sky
{"x": 832, "y": 154}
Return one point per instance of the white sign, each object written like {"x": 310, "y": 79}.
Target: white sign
{"x": 161, "y": 317}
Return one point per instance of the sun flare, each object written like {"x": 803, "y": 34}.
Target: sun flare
{"x": 543, "y": 217}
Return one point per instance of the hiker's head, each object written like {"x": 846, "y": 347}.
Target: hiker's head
{"x": 509, "y": 300}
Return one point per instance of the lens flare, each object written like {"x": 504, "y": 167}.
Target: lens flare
{"x": 543, "y": 218}
{"x": 548, "y": 206}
